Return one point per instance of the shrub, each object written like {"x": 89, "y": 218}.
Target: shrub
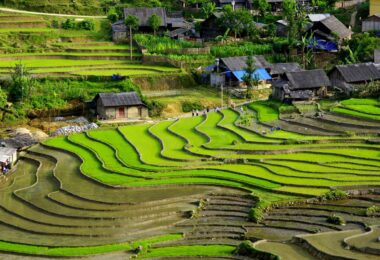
{"x": 246, "y": 248}
{"x": 336, "y": 220}
{"x": 88, "y": 25}
{"x": 335, "y": 195}
{"x": 372, "y": 211}
{"x": 155, "y": 108}
{"x": 69, "y": 24}
{"x": 55, "y": 24}
{"x": 188, "y": 106}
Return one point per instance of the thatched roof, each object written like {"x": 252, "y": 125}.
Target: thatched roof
{"x": 358, "y": 72}
{"x": 240, "y": 62}
{"x": 144, "y": 13}
{"x": 119, "y": 99}
{"x": 281, "y": 68}
{"x": 336, "y": 26}
{"x": 308, "y": 79}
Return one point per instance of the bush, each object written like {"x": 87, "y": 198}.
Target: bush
{"x": 335, "y": 195}
{"x": 372, "y": 211}
{"x": 336, "y": 220}
{"x": 188, "y": 106}
{"x": 69, "y": 24}
{"x": 88, "y": 25}
{"x": 246, "y": 248}
{"x": 155, "y": 108}
{"x": 55, "y": 24}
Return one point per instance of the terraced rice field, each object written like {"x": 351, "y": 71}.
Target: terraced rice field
{"x": 186, "y": 188}
{"x": 67, "y": 53}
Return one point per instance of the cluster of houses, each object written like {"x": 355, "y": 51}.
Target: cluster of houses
{"x": 290, "y": 82}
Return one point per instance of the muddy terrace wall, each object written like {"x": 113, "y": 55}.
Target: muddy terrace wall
{"x": 164, "y": 82}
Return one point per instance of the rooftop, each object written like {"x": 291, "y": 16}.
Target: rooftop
{"x": 240, "y": 62}
{"x": 336, "y": 26}
{"x": 119, "y": 99}
{"x": 359, "y": 72}
{"x": 307, "y": 79}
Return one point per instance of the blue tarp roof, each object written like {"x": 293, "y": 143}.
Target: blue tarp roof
{"x": 320, "y": 44}
{"x": 259, "y": 74}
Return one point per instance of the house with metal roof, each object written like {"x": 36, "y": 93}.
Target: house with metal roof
{"x": 233, "y": 70}
{"x": 126, "y": 105}
{"x": 279, "y": 69}
{"x": 349, "y": 78}
{"x": 168, "y": 21}
{"x": 301, "y": 86}
{"x": 331, "y": 29}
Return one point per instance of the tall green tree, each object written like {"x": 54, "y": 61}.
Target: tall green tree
{"x": 249, "y": 78}
{"x": 21, "y": 83}
{"x": 155, "y": 22}
{"x": 289, "y": 14}
{"x": 262, "y": 6}
{"x": 132, "y": 22}
{"x": 3, "y": 102}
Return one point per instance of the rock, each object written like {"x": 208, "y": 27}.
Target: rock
{"x": 67, "y": 130}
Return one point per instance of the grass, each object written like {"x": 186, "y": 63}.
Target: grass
{"x": 82, "y": 251}
{"x": 265, "y": 112}
{"x": 190, "y": 251}
{"x": 350, "y": 112}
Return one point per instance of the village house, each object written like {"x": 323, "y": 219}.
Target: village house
{"x": 237, "y": 4}
{"x": 331, "y": 30}
{"x": 231, "y": 70}
{"x": 126, "y": 105}
{"x": 168, "y": 22}
{"x": 301, "y": 86}
{"x": 372, "y": 23}
{"x": 210, "y": 28}
{"x": 348, "y": 78}
{"x": 8, "y": 157}
{"x": 277, "y": 70}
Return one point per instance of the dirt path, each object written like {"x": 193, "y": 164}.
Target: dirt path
{"x": 9, "y": 10}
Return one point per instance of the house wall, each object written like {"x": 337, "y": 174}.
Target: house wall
{"x": 371, "y": 25}
{"x": 336, "y": 78}
{"x": 137, "y": 112}
{"x": 119, "y": 36}
{"x": 374, "y": 7}
{"x": 278, "y": 94}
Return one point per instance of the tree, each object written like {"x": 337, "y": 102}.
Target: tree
{"x": 262, "y": 6}
{"x": 238, "y": 21}
{"x": 21, "y": 83}
{"x": 208, "y": 9}
{"x": 132, "y": 22}
{"x": 249, "y": 78}
{"x": 112, "y": 16}
{"x": 154, "y": 22}
{"x": 289, "y": 14}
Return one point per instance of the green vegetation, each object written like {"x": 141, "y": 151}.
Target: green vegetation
{"x": 191, "y": 251}
{"x": 336, "y": 220}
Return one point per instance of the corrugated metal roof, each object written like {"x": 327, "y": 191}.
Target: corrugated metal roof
{"x": 308, "y": 79}
{"x": 336, "y": 26}
{"x": 240, "y": 62}
{"x": 359, "y": 72}
{"x": 281, "y": 68}
{"x": 144, "y": 13}
{"x": 317, "y": 17}
{"x": 119, "y": 99}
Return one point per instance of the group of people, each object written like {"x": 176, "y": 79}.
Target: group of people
{"x": 196, "y": 112}
{"x": 5, "y": 167}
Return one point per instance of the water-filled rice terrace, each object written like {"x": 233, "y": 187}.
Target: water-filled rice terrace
{"x": 193, "y": 187}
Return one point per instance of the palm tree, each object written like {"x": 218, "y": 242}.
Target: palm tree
{"x": 132, "y": 22}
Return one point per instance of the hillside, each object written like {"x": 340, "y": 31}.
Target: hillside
{"x": 83, "y": 7}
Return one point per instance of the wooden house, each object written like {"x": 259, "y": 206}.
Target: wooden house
{"x": 377, "y": 56}
{"x": 372, "y": 23}
{"x": 301, "y": 86}
{"x": 210, "y": 28}
{"x": 233, "y": 70}
{"x": 331, "y": 29}
{"x": 238, "y": 3}
{"x": 348, "y": 78}
{"x": 126, "y": 105}
{"x": 277, "y": 70}
{"x": 168, "y": 22}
